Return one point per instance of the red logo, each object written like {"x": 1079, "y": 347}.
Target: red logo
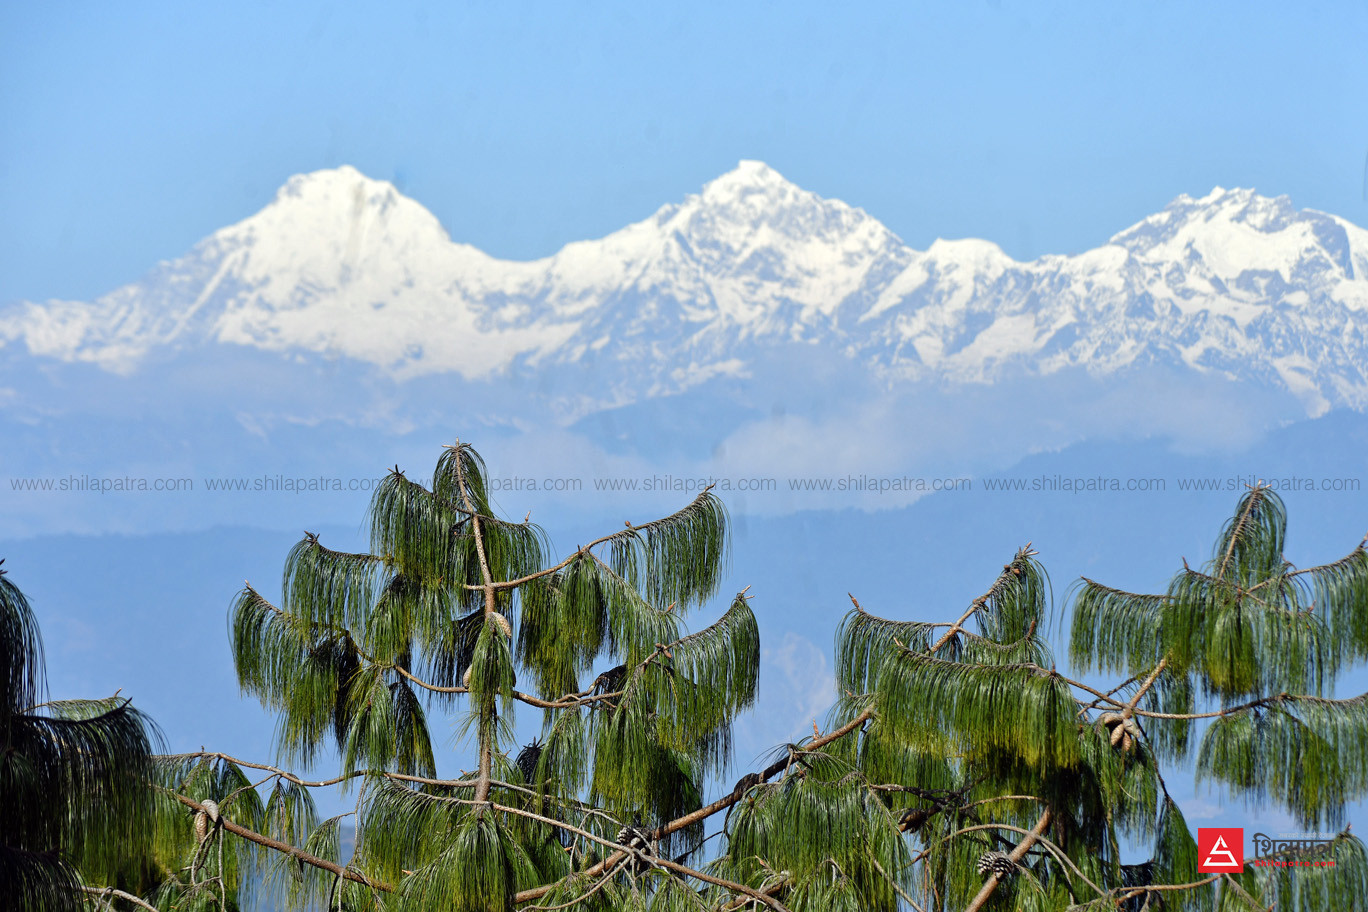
{"x": 1220, "y": 850}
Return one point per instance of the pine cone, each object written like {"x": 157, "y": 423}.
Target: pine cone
{"x": 635, "y": 838}
{"x": 1124, "y": 731}
{"x": 506, "y": 627}
{"x": 999, "y": 863}
{"x": 206, "y": 819}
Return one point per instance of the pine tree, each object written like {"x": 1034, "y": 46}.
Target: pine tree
{"x": 960, "y": 769}
{"x": 1022, "y": 785}
{"x": 74, "y": 798}
{"x": 456, "y": 608}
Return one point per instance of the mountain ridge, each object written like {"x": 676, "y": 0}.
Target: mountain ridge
{"x": 344, "y": 265}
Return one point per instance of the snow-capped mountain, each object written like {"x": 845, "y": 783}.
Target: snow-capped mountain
{"x": 344, "y": 266}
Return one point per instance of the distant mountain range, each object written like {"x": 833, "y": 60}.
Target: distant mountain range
{"x": 345, "y": 268}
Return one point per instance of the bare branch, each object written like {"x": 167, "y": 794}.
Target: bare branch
{"x": 106, "y": 892}
{"x": 285, "y": 848}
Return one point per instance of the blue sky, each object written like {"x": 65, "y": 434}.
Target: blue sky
{"x": 129, "y": 131}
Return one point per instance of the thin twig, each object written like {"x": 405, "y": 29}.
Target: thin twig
{"x": 603, "y": 882}
{"x": 104, "y": 892}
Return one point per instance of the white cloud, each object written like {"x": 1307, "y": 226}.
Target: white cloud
{"x": 1197, "y": 809}
{"x": 796, "y": 688}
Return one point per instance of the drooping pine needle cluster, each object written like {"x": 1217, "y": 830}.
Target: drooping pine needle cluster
{"x": 74, "y": 798}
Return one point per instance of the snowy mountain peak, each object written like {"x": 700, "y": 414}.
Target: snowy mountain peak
{"x": 749, "y": 176}
{"x": 327, "y": 182}
{"x": 1229, "y": 233}
{"x": 754, "y": 197}
{"x": 337, "y": 214}
{"x": 344, "y": 266}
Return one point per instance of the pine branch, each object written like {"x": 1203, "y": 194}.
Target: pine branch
{"x": 678, "y": 559}
{"x": 598, "y": 885}
{"x": 334, "y": 588}
{"x": 767, "y": 774}
{"x": 654, "y": 860}
{"x": 1132, "y": 892}
{"x": 1308, "y": 753}
{"x": 616, "y": 538}
{"x": 1037, "y": 723}
{"x": 1034, "y": 837}
{"x": 1244, "y": 894}
{"x": 1009, "y": 577}
{"x": 277, "y": 772}
{"x": 1015, "y": 856}
{"x": 721, "y": 804}
{"x": 862, "y": 639}
{"x": 1107, "y": 697}
{"x": 1115, "y": 630}
{"x": 1251, "y": 501}
{"x": 620, "y": 853}
{"x": 298, "y": 854}
{"x": 566, "y": 702}
{"x": 105, "y": 893}
{"x": 1144, "y": 688}
{"x": 1350, "y": 561}
{"x": 1242, "y": 593}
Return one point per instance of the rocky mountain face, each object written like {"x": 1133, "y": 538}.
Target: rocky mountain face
{"x": 347, "y": 268}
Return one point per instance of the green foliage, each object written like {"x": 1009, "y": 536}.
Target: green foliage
{"x": 1309, "y": 754}
{"x": 1247, "y": 624}
{"x": 1261, "y": 640}
{"x": 977, "y": 738}
{"x": 1022, "y": 709}
{"x": 1117, "y": 631}
{"x": 829, "y": 834}
{"x": 1175, "y": 859}
{"x": 387, "y": 727}
{"x": 696, "y": 685}
{"x": 301, "y": 884}
{"x": 957, "y": 759}
{"x": 454, "y": 606}
{"x": 565, "y": 622}
{"x": 1309, "y": 882}
{"x": 863, "y": 639}
{"x": 479, "y": 870}
{"x": 678, "y": 560}
{"x": 326, "y": 587}
{"x": 74, "y": 795}
{"x": 21, "y": 658}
